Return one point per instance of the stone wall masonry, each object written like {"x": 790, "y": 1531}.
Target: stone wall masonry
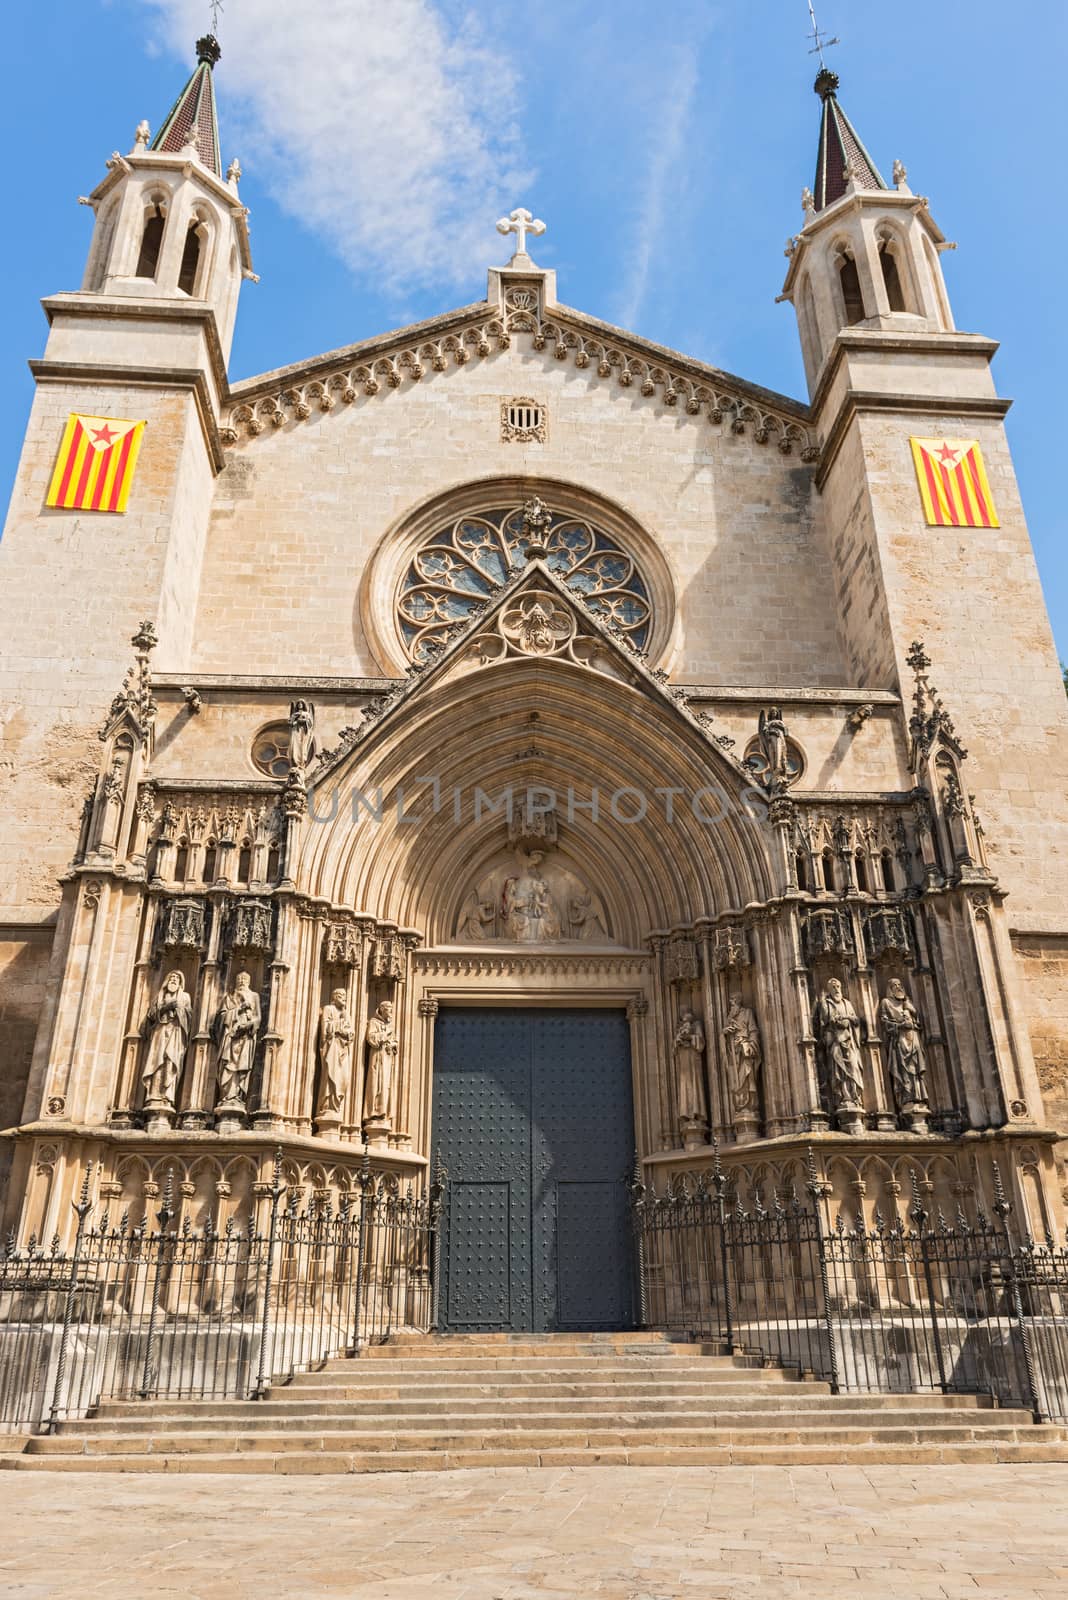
{"x": 73, "y": 588}
{"x": 299, "y": 511}
{"x": 974, "y": 597}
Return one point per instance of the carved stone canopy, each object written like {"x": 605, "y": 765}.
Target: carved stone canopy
{"x": 183, "y": 924}
{"x": 250, "y": 926}
{"x": 887, "y": 932}
{"x": 827, "y": 931}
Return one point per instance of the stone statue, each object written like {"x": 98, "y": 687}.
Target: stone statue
{"x": 690, "y": 1068}
{"x": 235, "y": 1030}
{"x": 301, "y": 734}
{"x": 899, "y": 1024}
{"x": 528, "y": 910}
{"x": 837, "y": 1029}
{"x": 166, "y": 1031}
{"x": 771, "y": 731}
{"x": 382, "y": 1050}
{"x": 744, "y": 1058}
{"x": 586, "y": 916}
{"x": 336, "y": 1034}
{"x": 476, "y": 918}
{"x": 141, "y": 137}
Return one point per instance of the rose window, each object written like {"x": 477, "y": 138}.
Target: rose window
{"x": 461, "y": 566}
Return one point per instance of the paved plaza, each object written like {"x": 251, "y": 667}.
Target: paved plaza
{"x": 590, "y": 1533}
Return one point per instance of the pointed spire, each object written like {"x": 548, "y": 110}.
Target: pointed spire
{"x": 193, "y": 119}
{"x": 841, "y": 153}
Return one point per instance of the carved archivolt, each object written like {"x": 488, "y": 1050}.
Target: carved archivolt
{"x": 484, "y": 335}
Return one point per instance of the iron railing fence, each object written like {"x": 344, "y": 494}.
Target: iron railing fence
{"x": 903, "y": 1306}
{"x": 174, "y": 1312}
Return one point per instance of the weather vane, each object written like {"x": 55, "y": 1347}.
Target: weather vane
{"x": 820, "y": 40}
{"x": 215, "y": 6}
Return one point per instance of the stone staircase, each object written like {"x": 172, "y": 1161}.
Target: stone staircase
{"x": 426, "y": 1403}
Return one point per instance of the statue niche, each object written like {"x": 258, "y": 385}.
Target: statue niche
{"x": 530, "y": 897}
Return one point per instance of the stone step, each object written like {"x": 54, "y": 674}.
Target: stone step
{"x": 702, "y": 1423}
{"x": 795, "y": 1404}
{"x": 1040, "y": 1445}
{"x": 534, "y": 1354}
{"x": 576, "y": 1437}
{"x": 575, "y": 1370}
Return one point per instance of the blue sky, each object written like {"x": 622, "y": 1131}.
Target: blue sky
{"x": 665, "y": 147}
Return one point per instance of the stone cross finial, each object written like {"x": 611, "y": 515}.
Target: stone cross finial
{"x": 520, "y": 222}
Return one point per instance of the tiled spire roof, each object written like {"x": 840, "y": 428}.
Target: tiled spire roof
{"x": 840, "y": 148}
{"x": 192, "y": 119}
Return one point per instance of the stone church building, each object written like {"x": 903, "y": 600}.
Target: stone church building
{"x": 508, "y": 743}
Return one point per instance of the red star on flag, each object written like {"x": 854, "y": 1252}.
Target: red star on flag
{"x": 947, "y": 453}
{"x": 104, "y": 434}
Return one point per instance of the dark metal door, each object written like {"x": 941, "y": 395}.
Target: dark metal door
{"x": 533, "y": 1120}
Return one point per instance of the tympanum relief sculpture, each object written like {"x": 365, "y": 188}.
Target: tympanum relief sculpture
{"x": 235, "y": 1030}
{"x": 744, "y": 1059}
{"x": 689, "y": 1049}
{"x": 336, "y": 1034}
{"x": 532, "y": 898}
{"x": 165, "y": 1030}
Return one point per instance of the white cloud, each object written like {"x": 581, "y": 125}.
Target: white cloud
{"x": 389, "y": 129}
{"x": 667, "y": 145}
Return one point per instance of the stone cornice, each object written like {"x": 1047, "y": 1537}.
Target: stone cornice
{"x": 872, "y": 341}
{"x": 917, "y": 405}
{"x": 273, "y": 683}
{"x": 112, "y": 307}
{"x": 191, "y": 378}
{"x": 293, "y": 394}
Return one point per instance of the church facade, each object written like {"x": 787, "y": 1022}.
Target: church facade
{"x": 509, "y": 744}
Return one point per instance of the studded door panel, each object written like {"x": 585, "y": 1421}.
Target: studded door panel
{"x": 582, "y": 1147}
{"x": 533, "y": 1120}
{"x": 482, "y": 1134}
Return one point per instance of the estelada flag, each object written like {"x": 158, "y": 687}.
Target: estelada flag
{"x": 953, "y": 483}
{"x": 95, "y": 465}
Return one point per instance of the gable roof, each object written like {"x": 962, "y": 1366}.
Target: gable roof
{"x": 291, "y": 394}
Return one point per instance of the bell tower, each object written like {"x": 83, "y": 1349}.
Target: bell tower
{"x": 895, "y": 387}
{"x": 143, "y": 343}
{"x": 168, "y": 226}
{"x": 867, "y": 255}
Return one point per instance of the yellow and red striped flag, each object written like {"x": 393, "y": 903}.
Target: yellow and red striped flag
{"x": 953, "y": 483}
{"x": 95, "y": 465}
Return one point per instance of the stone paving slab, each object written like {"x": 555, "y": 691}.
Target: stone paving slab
{"x": 586, "y": 1533}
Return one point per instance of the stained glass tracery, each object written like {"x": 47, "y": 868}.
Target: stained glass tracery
{"x": 460, "y": 566}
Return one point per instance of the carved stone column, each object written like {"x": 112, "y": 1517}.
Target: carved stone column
{"x": 664, "y": 1033}
{"x": 423, "y": 1131}
{"x": 126, "y": 1087}
{"x": 267, "y": 1116}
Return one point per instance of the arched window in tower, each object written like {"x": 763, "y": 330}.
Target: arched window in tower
{"x": 935, "y": 270}
{"x": 849, "y": 280}
{"x": 194, "y": 256}
{"x": 151, "y": 239}
{"x": 895, "y": 293}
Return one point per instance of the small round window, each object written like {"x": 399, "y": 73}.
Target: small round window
{"x": 270, "y": 750}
